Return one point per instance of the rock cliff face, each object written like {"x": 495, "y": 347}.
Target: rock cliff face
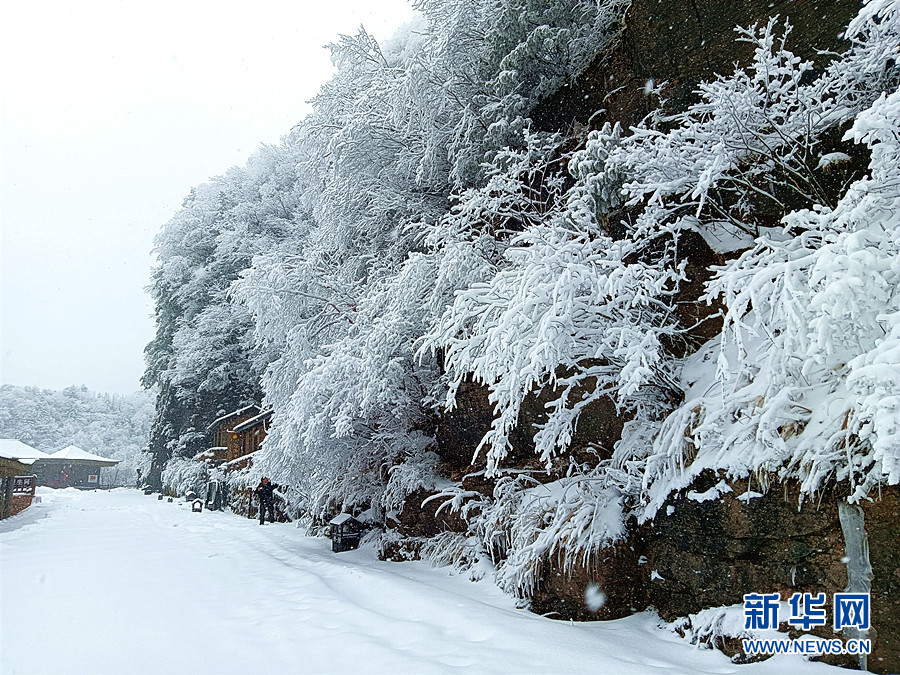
{"x": 883, "y": 530}
{"x": 699, "y": 554}
{"x": 461, "y": 430}
{"x": 682, "y": 43}
{"x": 710, "y": 553}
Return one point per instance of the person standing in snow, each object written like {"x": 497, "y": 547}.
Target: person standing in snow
{"x": 265, "y": 494}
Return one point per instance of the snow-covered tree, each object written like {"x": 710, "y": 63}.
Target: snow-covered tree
{"x": 203, "y": 358}
{"x": 436, "y": 117}
{"x": 800, "y": 383}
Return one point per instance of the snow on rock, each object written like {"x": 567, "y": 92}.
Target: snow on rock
{"x": 714, "y": 492}
{"x": 710, "y": 625}
{"x": 721, "y": 236}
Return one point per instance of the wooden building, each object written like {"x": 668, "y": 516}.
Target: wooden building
{"x": 222, "y": 426}
{"x": 234, "y": 437}
{"x": 10, "y": 467}
{"x": 247, "y": 437}
{"x": 72, "y": 467}
{"x": 10, "y": 448}
{"x": 10, "y": 470}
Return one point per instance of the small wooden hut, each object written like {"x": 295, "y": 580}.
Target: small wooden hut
{"x": 72, "y": 467}
{"x": 247, "y": 437}
{"x": 10, "y": 470}
{"x": 221, "y": 427}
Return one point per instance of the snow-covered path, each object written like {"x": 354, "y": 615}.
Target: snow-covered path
{"x": 118, "y": 582}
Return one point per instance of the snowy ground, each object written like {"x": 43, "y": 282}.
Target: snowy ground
{"x": 118, "y": 582}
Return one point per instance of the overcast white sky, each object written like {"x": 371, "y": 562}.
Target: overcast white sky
{"x": 109, "y": 113}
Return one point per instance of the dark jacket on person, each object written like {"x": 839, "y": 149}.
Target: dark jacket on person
{"x": 264, "y": 492}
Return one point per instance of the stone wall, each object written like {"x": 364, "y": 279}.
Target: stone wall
{"x": 710, "y": 553}
{"x": 683, "y": 43}
{"x": 20, "y": 503}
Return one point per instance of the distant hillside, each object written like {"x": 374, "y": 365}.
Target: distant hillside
{"x": 110, "y": 425}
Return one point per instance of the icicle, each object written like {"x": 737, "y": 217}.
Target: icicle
{"x": 859, "y": 570}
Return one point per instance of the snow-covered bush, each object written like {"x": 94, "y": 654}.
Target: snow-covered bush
{"x": 571, "y": 315}
{"x": 819, "y": 399}
{"x": 581, "y": 314}
{"x": 183, "y": 475}
{"x": 462, "y": 552}
{"x": 802, "y": 383}
{"x": 418, "y": 472}
{"x": 808, "y": 309}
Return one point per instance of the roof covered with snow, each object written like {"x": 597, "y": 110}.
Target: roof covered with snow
{"x": 254, "y": 421}
{"x": 247, "y": 409}
{"x": 243, "y": 458}
{"x": 72, "y": 453}
{"x": 10, "y": 448}
{"x": 341, "y": 519}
